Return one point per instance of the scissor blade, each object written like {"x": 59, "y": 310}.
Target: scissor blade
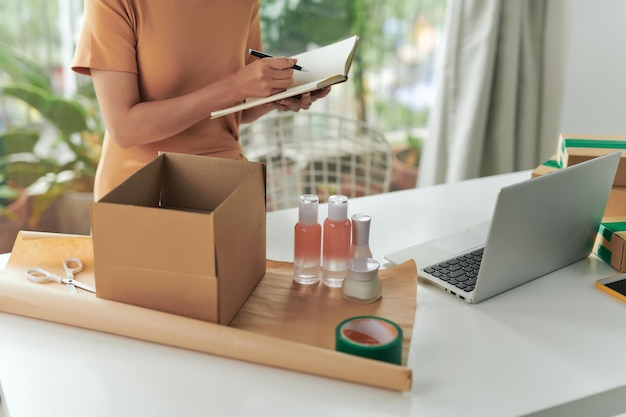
{"x": 83, "y": 286}
{"x": 71, "y": 288}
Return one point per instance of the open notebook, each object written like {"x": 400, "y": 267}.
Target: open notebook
{"x": 538, "y": 226}
{"x": 324, "y": 66}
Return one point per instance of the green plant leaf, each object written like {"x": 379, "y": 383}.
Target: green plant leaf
{"x": 41, "y": 203}
{"x": 24, "y": 173}
{"x": 22, "y": 70}
{"x": 8, "y": 193}
{"x": 8, "y": 214}
{"x": 414, "y": 142}
{"x": 77, "y": 125}
{"x": 18, "y": 140}
{"x": 87, "y": 90}
{"x": 65, "y": 114}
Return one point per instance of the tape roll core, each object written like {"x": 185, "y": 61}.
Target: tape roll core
{"x": 370, "y": 337}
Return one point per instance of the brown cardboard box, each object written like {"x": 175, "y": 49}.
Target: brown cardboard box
{"x": 616, "y": 206}
{"x": 547, "y": 167}
{"x": 610, "y": 241}
{"x": 184, "y": 235}
{"x": 574, "y": 149}
{"x": 610, "y": 245}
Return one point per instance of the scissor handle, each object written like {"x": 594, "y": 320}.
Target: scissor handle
{"x": 72, "y": 266}
{"x": 41, "y": 275}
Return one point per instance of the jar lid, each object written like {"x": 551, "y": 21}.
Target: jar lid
{"x": 363, "y": 269}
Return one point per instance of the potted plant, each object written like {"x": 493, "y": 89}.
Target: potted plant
{"x": 13, "y": 214}
{"x": 72, "y": 132}
{"x": 405, "y": 164}
{"x": 14, "y": 208}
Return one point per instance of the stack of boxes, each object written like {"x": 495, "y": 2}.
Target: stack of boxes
{"x": 610, "y": 245}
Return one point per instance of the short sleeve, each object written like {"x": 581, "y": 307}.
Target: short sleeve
{"x": 108, "y": 38}
{"x": 254, "y": 37}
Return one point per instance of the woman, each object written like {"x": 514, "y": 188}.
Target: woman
{"x": 160, "y": 67}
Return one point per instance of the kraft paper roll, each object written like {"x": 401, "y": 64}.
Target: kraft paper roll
{"x": 370, "y": 337}
{"x": 251, "y": 342}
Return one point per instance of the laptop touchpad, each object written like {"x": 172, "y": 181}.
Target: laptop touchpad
{"x": 459, "y": 243}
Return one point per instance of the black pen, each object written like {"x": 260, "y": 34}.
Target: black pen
{"x": 260, "y": 54}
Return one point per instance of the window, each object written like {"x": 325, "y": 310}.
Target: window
{"x": 391, "y": 80}
{"x": 392, "y": 77}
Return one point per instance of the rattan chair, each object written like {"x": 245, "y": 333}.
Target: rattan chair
{"x": 317, "y": 153}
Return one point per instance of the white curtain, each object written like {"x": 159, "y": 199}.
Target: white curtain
{"x": 487, "y": 116}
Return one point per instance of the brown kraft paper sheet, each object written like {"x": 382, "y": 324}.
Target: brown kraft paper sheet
{"x": 282, "y": 324}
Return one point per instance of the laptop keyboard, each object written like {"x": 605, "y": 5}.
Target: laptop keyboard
{"x": 460, "y": 271}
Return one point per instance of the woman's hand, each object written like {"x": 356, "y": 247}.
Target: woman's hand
{"x": 264, "y": 77}
{"x": 302, "y": 102}
{"x": 295, "y": 103}
{"x": 134, "y": 122}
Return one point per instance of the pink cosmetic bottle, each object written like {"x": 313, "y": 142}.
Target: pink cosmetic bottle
{"x": 307, "y": 242}
{"x": 336, "y": 248}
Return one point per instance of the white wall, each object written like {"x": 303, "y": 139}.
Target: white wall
{"x": 594, "y": 90}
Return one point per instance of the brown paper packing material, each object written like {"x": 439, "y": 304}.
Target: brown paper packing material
{"x": 282, "y": 324}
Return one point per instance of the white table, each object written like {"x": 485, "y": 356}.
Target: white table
{"x": 550, "y": 342}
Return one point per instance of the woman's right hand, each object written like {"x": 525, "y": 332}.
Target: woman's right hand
{"x": 265, "y": 77}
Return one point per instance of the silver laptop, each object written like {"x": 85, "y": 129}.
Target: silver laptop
{"x": 538, "y": 226}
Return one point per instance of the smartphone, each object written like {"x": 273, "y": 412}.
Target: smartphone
{"x": 616, "y": 286}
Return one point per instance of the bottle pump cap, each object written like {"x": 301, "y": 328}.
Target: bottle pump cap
{"x": 361, "y": 229}
{"x": 337, "y": 207}
{"x": 307, "y": 214}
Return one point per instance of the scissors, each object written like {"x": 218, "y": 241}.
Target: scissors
{"x": 71, "y": 266}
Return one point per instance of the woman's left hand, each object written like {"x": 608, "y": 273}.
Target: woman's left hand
{"x": 296, "y": 103}
{"x": 303, "y": 101}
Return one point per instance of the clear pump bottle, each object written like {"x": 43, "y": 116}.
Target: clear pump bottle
{"x": 307, "y": 242}
{"x": 336, "y": 248}
{"x": 360, "y": 236}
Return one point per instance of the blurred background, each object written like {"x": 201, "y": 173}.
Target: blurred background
{"x": 458, "y": 89}
{"x": 50, "y": 128}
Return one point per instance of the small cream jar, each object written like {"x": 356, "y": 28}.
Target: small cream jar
{"x": 362, "y": 283}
